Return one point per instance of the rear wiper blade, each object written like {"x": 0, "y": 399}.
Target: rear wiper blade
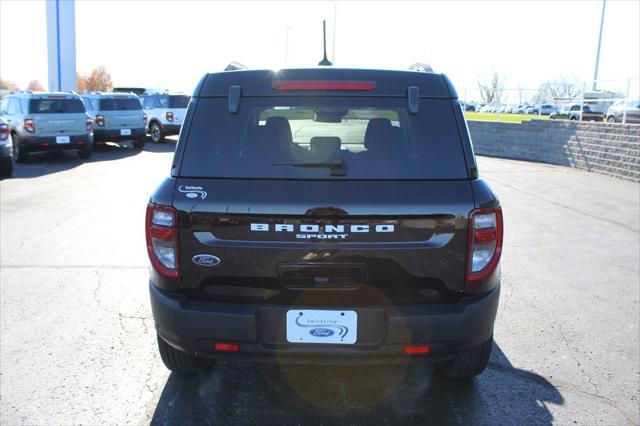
{"x": 338, "y": 168}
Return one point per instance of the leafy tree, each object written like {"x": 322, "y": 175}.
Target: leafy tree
{"x": 35, "y": 86}
{"x": 81, "y": 82}
{"x": 8, "y": 85}
{"x": 99, "y": 80}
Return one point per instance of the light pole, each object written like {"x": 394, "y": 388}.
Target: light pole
{"x": 595, "y": 74}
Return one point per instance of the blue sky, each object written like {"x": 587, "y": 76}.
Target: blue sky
{"x": 170, "y": 44}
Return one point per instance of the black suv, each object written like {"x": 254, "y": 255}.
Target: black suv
{"x": 325, "y": 216}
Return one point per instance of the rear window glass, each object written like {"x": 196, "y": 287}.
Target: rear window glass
{"x": 56, "y": 106}
{"x": 178, "y": 101}
{"x": 323, "y": 138}
{"x": 119, "y": 104}
{"x": 165, "y": 101}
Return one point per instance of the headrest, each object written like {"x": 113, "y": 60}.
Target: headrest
{"x": 325, "y": 147}
{"x": 375, "y": 125}
{"x": 280, "y": 129}
{"x": 387, "y": 140}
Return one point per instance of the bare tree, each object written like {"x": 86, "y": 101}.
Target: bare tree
{"x": 35, "y": 86}
{"x": 491, "y": 90}
{"x": 8, "y": 85}
{"x": 563, "y": 87}
{"x": 98, "y": 81}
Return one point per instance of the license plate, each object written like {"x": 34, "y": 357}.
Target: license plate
{"x": 317, "y": 326}
{"x": 125, "y": 132}
{"x": 62, "y": 139}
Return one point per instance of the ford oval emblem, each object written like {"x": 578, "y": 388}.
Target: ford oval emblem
{"x": 205, "y": 260}
{"x": 321, "y": 332}
{"x": 191, "y": 195}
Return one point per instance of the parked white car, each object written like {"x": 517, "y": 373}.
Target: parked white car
{"x": 165, "y": 113}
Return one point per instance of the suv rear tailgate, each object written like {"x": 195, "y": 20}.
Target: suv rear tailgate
{"x": 376, "y": 242}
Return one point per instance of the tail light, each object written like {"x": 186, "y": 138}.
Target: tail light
{"x": 89, "y": 124}
{"x": 416, "y": 349}
{"x": 29, "y": 125}
{"x": 4, "y": 132}
{"x": 485, "y": 243}
{"x": 162, "y": 240}
{"x": 169, "y": 116}
{"x": 100, "y": 120}
{"x": 144, "y": 119}
{"x": 324, "y": 85}
{"x": 226, "y": 347}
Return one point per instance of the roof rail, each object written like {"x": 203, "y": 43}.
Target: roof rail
{"x": 421, "y": 66}
{"x": 233, "y": 65}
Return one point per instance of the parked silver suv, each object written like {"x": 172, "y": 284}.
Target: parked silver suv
{"x": 47, "y": 121}
{"x": 165, "y": 112}
{"x": 116, "y": 117}
{"x": 6, "y": 162}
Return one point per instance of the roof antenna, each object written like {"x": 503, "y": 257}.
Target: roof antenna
{"x": 324, "y": 62}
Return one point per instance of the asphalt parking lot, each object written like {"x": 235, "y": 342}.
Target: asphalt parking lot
{"x": 77, "y": 341}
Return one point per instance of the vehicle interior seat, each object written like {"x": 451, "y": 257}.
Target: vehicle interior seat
{"x": 325, "y": 148}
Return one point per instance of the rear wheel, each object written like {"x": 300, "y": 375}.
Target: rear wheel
{"x": 86, "y": 152}
{"x": 468, "y": 364}
{"x": 156, "y": 132}
{"x": 6, "y": 167}
{"x": 611, "y": 119}
{"x": 20, "y": 153}
{"x": 179, "y": 361}
{"x": 139, "y": 143}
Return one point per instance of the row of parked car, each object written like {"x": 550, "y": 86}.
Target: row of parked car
{"x": 627, "y": 111}
{"x": 537, "y": 109}
{"x": 60, "y": 121}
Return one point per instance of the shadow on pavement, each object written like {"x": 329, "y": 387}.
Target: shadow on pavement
{"x": 46, "y": 163}
{"x": 235, "y": 393}
{"x": 169, "y": 145}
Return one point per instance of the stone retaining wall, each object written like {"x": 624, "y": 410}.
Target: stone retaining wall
{"x": 611, "y": 149}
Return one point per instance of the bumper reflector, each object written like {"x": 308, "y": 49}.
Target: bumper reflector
{"x": 226, "y": 347}
{"x": 416, "y": 350}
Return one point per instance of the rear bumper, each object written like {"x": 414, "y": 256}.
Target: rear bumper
{"x": 48, "y": 143}
{"x": 171, "y": 129}
{"x": 383, "y": 331}
{"x": 100, "y": 135}
{"x": 5, "y": 151}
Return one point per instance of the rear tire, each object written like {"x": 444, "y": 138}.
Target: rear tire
{"x": 155, "y": 131}
{"x": 179, "y": 361}
{"x": 611, "y": 119}
{"x": 139, "y": 143}
{"x": 20, "y": 153}
{"x": 468, "y": 364}
{"x": 6, "y": 167}
{"x": 86, "y": 152}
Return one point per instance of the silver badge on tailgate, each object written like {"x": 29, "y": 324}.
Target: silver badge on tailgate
{"x": 191, "y": 191}
{"x": 207, "y": 260}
